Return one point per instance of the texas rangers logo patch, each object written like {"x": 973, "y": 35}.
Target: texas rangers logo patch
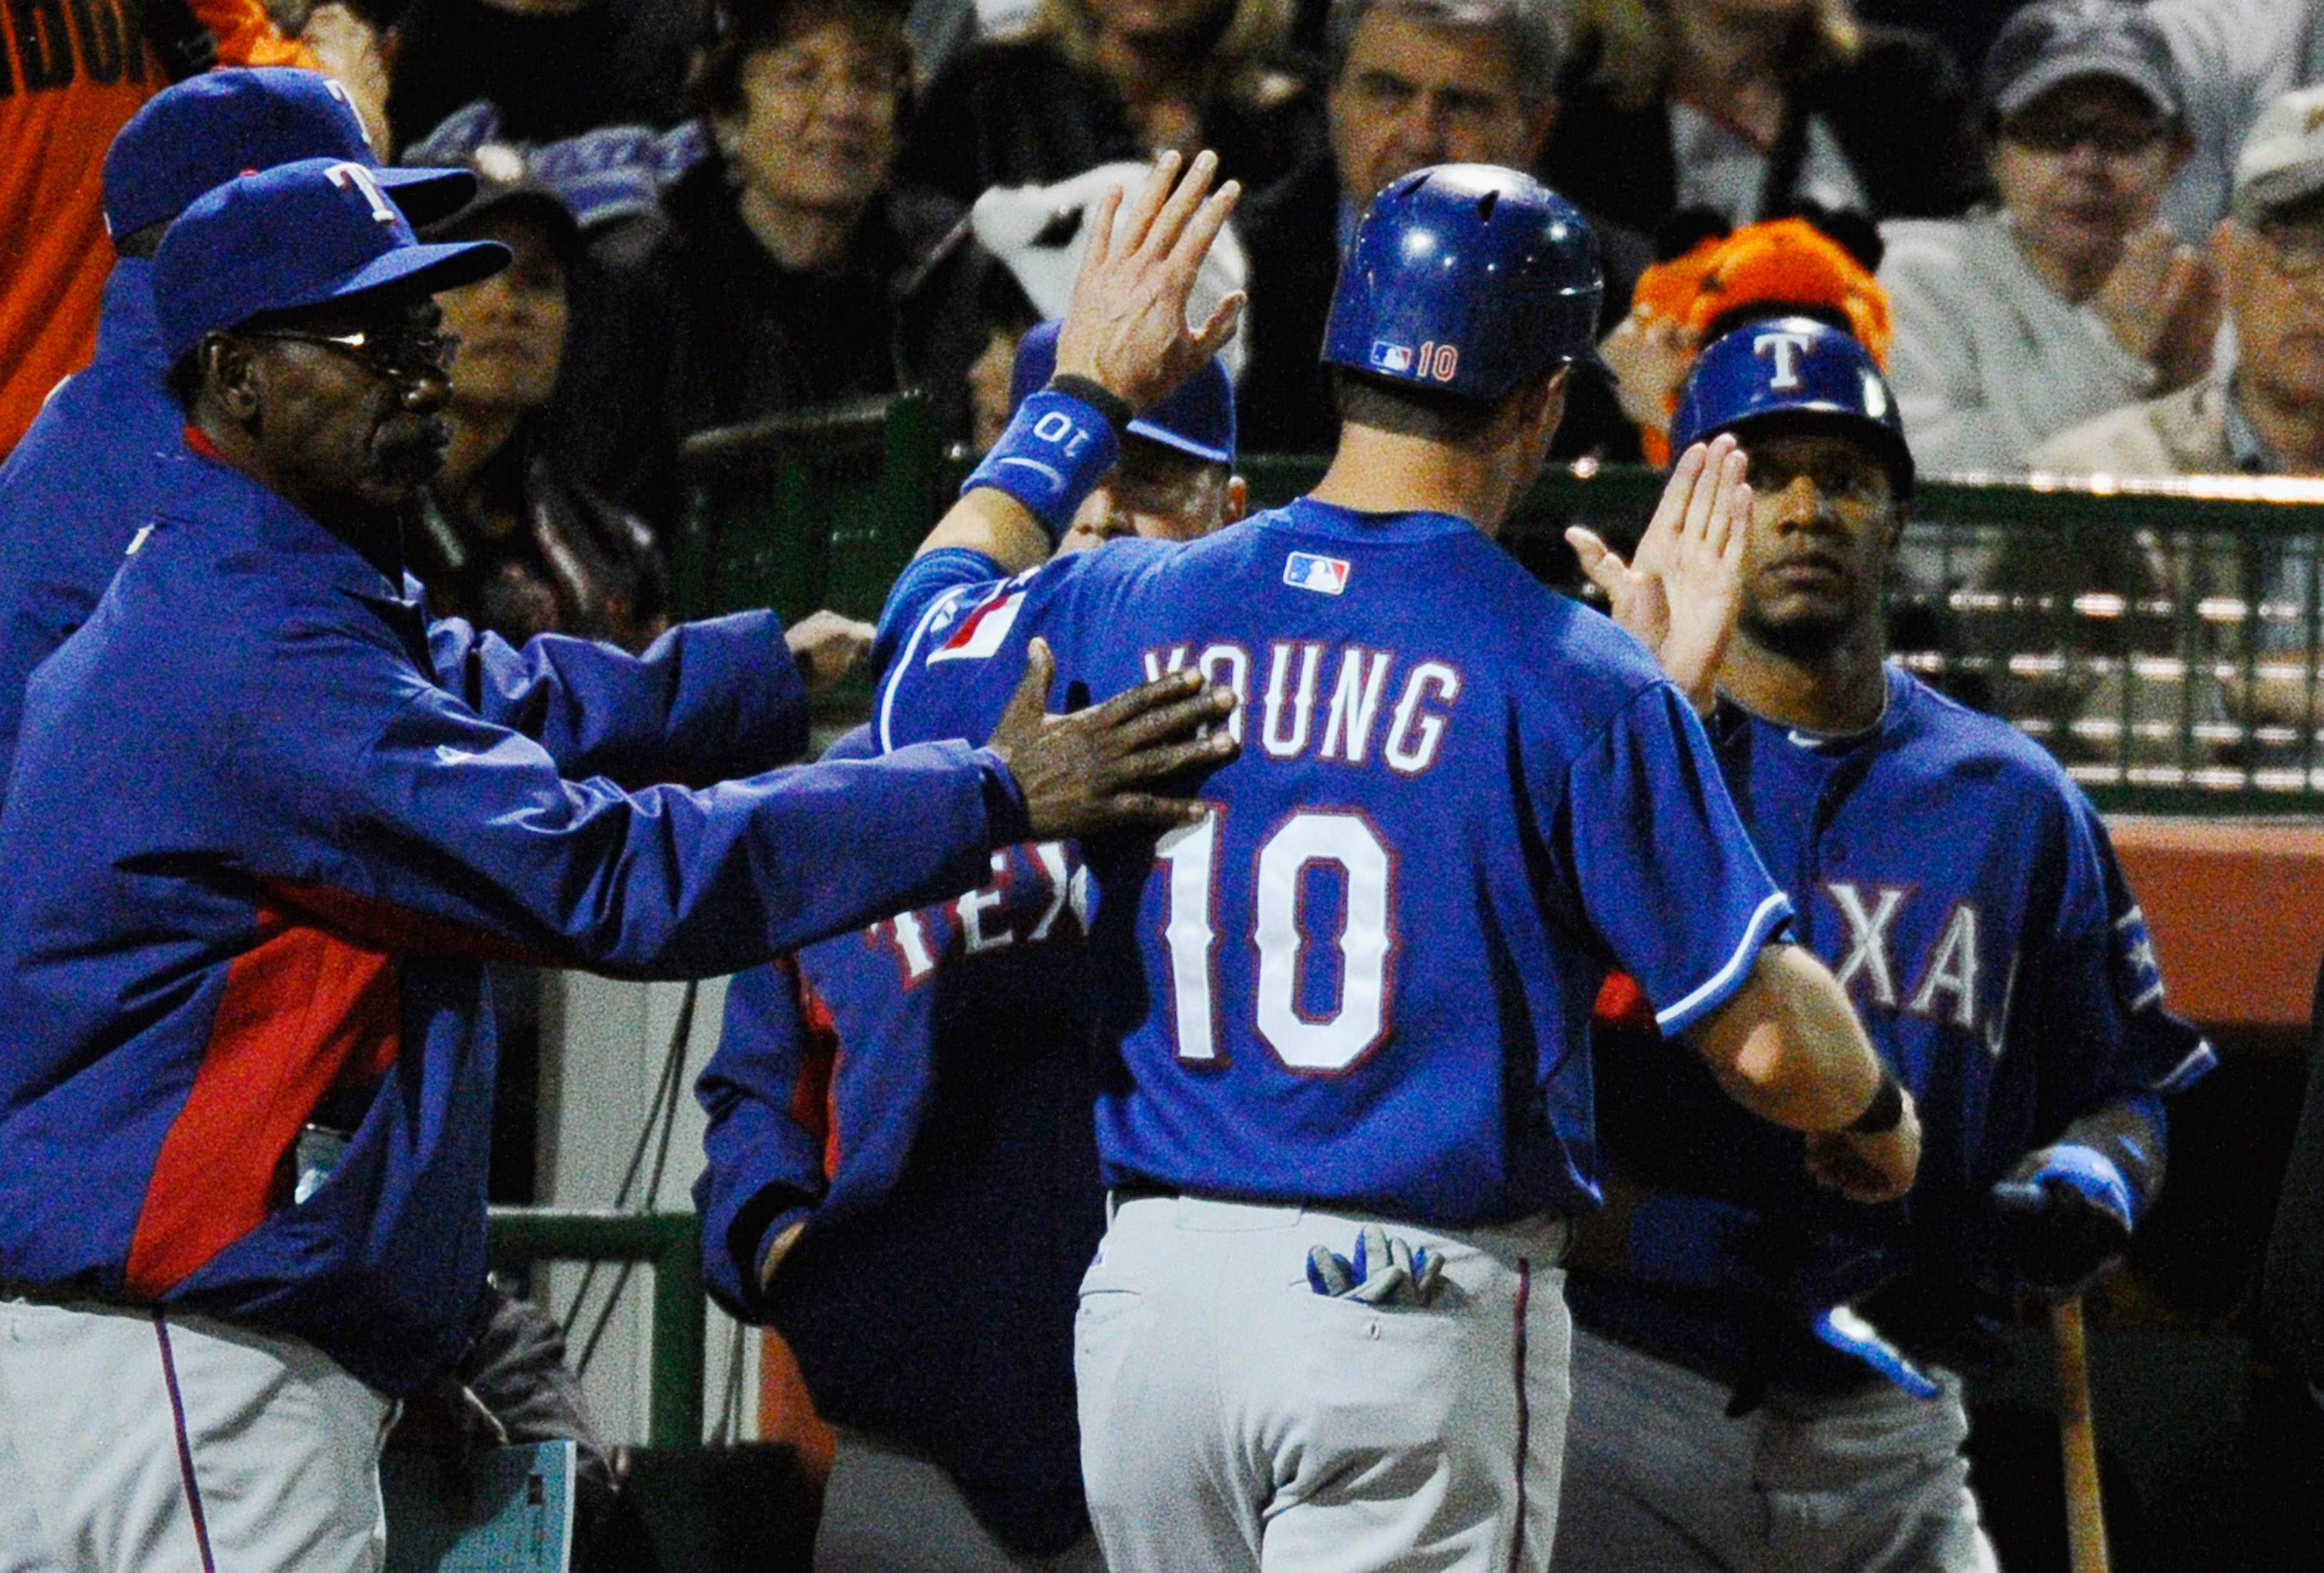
{"x": 981, "y": 632}
{"x": 1324, "y": 576}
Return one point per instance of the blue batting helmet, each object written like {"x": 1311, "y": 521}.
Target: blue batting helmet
{"x": 1785, "y": 368}
{"x": 1466, "y": 278}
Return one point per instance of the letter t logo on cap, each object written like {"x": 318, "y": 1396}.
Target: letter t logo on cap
{"x": 1788, "y": 347}
{"x": 346, "y": 175}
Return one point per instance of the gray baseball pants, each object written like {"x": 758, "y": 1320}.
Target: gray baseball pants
{"x": 1658, "y": 1479}
{"x": 1233, "y": 1419}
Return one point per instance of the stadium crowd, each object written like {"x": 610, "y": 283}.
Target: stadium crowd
{"x": 2074, "y": 237}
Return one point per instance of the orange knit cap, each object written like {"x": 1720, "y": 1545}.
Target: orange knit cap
{"x": 1785, "y": 260}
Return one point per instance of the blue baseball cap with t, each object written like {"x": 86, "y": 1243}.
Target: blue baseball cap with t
{"x": 297, "y": 235}
{"x": 1197, "y": 418}
{"x": 204, "y": 131}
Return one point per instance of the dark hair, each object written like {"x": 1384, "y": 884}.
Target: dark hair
{"x": 1407, "y": 411}
{"x": 184, "y": 378}
{"x": 1533, "y": 29}
{"x": 742, "y": 28}
{"x": 142, "y": 243}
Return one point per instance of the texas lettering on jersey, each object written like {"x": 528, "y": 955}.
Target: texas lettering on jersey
{"x": 1039, "y": 893}
{"x": 1955, "y": 981}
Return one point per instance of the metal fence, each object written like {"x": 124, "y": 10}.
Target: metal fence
{"x": 2158, "y": 637}
{"x": 670, "y": 1243}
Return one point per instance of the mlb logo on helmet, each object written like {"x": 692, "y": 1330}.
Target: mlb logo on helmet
{"x": 1324, "y": 576}
{"x": 1390, "y": 357}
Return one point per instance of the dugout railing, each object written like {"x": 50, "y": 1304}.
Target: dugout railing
{"x": 2160, "y": 638}
{"x": 670, "y": 1245}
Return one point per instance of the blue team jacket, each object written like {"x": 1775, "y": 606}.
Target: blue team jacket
{"x": 79, "y": 486}
{"x": 257, "y": 842}
{"x": 920, "y": 1094}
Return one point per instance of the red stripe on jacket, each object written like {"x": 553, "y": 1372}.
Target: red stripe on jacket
{"x": 815, "y": 1094}
{"x": 305, "y": 1010}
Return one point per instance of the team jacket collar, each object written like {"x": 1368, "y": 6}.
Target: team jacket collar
{"x": 230, "y": 511}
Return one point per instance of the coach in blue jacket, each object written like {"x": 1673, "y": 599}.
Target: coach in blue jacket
{"x": 252, "y": 854}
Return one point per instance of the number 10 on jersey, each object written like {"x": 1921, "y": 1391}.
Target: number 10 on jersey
{"x": 1313, "y": 1045}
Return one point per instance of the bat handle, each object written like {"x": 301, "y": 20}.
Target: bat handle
{"x": 2086, "y": 1534}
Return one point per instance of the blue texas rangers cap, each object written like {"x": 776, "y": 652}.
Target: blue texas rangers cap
{"x": 204, "y": 131}
{"x": 1791, "y": 368}
{"x": 1197, "y": 418}
{"x": 297, "y": 235}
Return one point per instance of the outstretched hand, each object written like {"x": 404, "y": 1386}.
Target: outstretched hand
{"x": 1126, "y": 329}
{"x": 1681, "y": 589}
{"x": 1080, "y": 773}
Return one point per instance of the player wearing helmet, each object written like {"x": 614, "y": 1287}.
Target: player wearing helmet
{"x": 1762, "y": 1378}
{"x": 1348, "y": 1125}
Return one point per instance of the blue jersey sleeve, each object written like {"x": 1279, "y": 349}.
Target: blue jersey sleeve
{"x": 764, "y": 1162}
{"x": 925, "y": 580}
{"x": 707, "y": 701}
{"x": 2090, "y": 1012}
{"x": 1663, "y": 870}
{"x": 962, "y": 660}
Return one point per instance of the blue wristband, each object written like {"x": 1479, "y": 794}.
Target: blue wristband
{"x": 1056, "y": 451}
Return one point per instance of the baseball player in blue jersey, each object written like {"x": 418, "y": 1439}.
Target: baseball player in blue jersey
{"x": 1349, "y": 1120}
{"x": 255, "y": 848}
{"x": 900, "y": 1119}
{"x": 1762, "y": 1379}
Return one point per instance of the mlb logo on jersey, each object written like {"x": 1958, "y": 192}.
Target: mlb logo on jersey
{"x": 981, "y": 632}
{"x": 1390, "y": 357}
{"x": 1324, "y": 576}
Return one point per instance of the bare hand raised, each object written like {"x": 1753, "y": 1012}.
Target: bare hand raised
{"x": 1079, "y": 772}
{"x": 1680, "y": 592}
{"x": 1126, "y": 329}
{"x": 2163, "y": 303}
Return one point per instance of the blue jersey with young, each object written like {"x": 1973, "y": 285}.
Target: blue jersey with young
{"x": 1366, "y": 980}
{"x": 1964, "y": 892}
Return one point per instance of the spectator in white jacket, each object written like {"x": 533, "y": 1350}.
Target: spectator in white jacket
{"x": 2234, "y": 58}
{"x": 2069, "y": 298}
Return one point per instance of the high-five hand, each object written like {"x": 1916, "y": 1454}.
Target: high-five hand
{"x": 1681, "y": 592}
{"x": 1088, "y": 771}
{"x": 1126, "y": 329}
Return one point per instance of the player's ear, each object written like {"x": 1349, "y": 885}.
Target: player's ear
{"x": 1550, "y": 410}
{"x": 231, "y": 375}
{"x": 1238, "y": 502}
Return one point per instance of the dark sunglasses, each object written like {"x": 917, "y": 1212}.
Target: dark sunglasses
{"x": 391, "y": 355}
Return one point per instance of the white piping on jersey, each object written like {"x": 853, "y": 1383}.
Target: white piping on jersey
{"x": 1772, "y": 911}
{"x": 904, "y": 662}
{"x": 2196, "y": 1064}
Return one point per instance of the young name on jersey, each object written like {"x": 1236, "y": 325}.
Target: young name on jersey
{"x": 1353, "y": 723}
